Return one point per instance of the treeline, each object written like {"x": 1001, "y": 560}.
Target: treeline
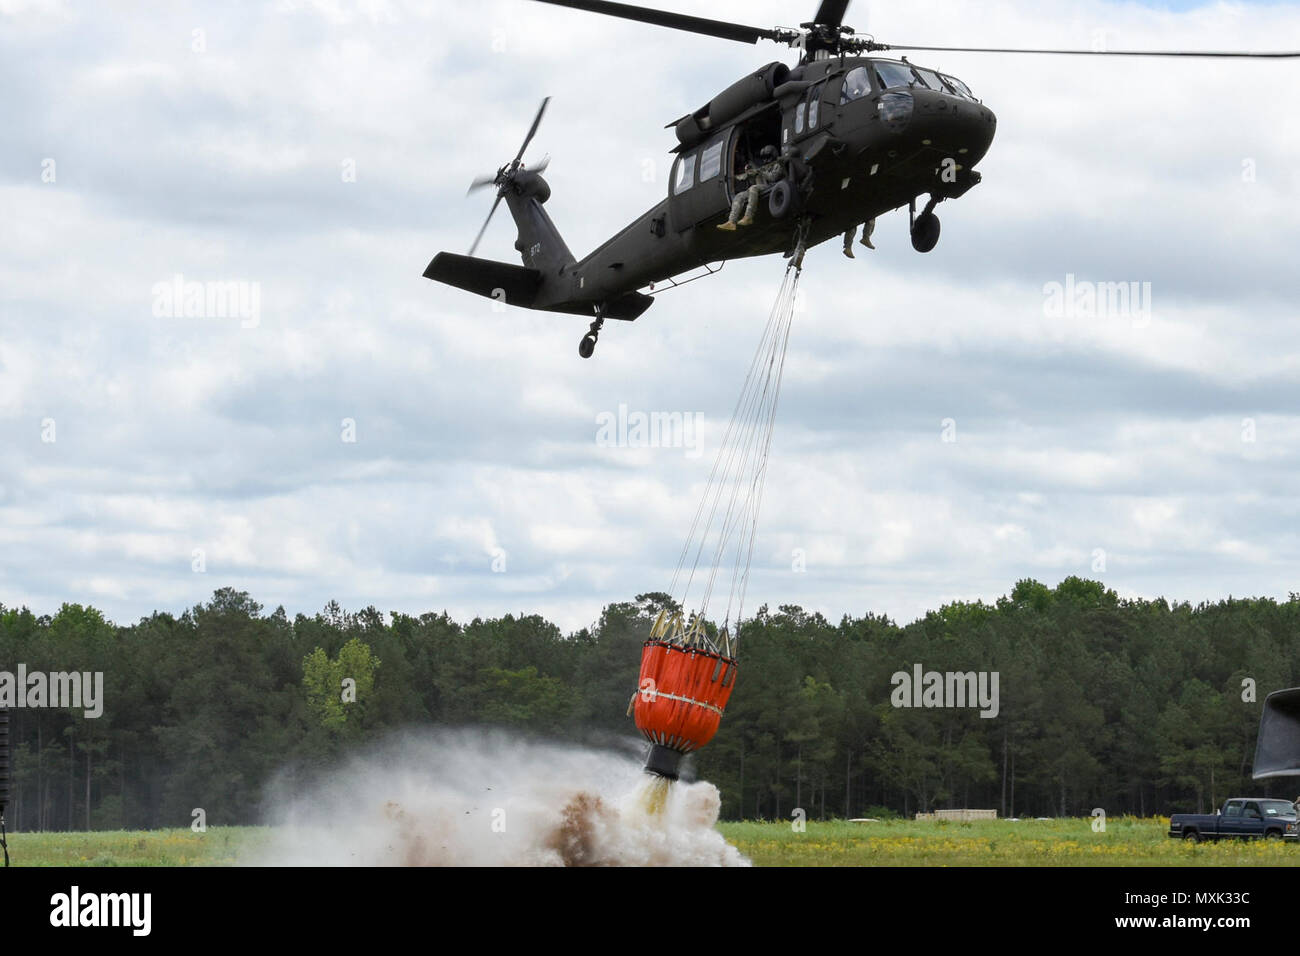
{"x": 1132, "y": 706}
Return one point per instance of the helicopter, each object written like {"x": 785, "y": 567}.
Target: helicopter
{"x": 856, "y": 135}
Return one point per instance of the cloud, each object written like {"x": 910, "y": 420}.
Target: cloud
{"x": 321, "y": 152}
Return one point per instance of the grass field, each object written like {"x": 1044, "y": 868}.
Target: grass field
{"x": 1127, "y": 841}
{"x": 1069, "y": 842}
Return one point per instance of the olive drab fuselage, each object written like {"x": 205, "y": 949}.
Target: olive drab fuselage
{"x": 860, "y": 136}
{"x": 856, "y": 154}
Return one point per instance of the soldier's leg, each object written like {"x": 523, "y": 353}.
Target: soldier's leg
{"x": 848, "y": 241}
{"x": 751, "y": 196}
{"x": 737, "y": 206}
{"x": 867, "y": 230}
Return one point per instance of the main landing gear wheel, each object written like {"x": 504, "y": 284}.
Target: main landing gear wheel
{"x": 588, "y": 343}
{"x": 925, "y": 232}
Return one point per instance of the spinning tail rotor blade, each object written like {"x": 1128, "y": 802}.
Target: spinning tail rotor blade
{"x": 533, "y": 131}
{"x": 505, "y": 176}
{"x": 491, "y": 212}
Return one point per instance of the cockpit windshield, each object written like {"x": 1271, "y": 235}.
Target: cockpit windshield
{"x": 894, "y": 74}
{"x": 931, "y": 79}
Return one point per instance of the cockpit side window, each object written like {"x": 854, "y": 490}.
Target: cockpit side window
{"x": 961, "y": 88}
{"x": 857, "y": 84}
{"x": 893, "y": 75}
{"x": 685, "y": 174}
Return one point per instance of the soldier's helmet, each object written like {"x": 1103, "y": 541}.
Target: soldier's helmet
{"x": 768, "y": 153}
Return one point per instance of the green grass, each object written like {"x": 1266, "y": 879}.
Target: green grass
{"x": 220, "y": 846}
{"x": 1128, "y": 841}
{"x": 1069, "y": 842}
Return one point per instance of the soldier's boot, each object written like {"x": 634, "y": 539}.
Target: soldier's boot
{"x": 848, "y": 251}
{"x": 866, "y": 234}
{"x": 728, "y": 226}
{"x": 747, "y": 220}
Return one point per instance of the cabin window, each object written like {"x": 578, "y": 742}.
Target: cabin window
{"x": 857, "y": 84}
{"x": 798, "y": 117}
{"x": 711, "y": 160}
{"x": 814, "y": 107}
{"x": 685, "y": 173}
{"x": 1233, "y": 809}
{"x": 895, "y": 74}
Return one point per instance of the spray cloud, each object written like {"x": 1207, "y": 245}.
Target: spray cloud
{"x": 484, "y": 798}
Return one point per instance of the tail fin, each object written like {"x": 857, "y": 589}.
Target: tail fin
{"x": 539, "y": 242}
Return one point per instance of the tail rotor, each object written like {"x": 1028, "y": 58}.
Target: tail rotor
{"x": 504, "y": 178}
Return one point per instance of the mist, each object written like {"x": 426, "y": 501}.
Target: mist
{"x": 487, "y": 798}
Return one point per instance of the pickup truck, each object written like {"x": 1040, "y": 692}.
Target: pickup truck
{"x": 1242, "y": 818}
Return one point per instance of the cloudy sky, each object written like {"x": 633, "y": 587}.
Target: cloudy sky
{"x": 318, "y": 153}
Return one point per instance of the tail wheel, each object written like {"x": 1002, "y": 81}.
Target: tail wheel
{"x": 587, "y": 345}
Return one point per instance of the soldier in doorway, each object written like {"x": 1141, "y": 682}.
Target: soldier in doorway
{"x": 771, "y": 170}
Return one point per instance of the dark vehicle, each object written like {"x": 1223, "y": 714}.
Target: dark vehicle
{"x": 1241, "y": 818}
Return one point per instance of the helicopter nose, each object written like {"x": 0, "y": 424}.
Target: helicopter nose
{"x": 953, "y": 125}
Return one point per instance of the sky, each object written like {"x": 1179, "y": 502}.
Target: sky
{"x": 343, "y": 429}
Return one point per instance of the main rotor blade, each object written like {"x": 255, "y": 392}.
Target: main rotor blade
{"x": 677, "y": 21}
{"x": 491, "y": 213}
{"x": 831, "y": 12}
{"x": 481, "y": 181}
{"x": 537, "y": 121}
{"x": 1276, "y": 55}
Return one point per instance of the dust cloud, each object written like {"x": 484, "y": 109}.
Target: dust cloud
{"x": 475, "y": 798}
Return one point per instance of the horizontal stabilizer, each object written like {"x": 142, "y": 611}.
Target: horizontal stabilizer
{"x": 513, "y": 285}
{"x": 518, "y": 285}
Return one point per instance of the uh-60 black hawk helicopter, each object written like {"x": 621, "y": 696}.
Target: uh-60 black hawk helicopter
{"x": 857, "y": 136}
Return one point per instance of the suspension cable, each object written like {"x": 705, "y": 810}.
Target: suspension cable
{"x": 725, "y": 523}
